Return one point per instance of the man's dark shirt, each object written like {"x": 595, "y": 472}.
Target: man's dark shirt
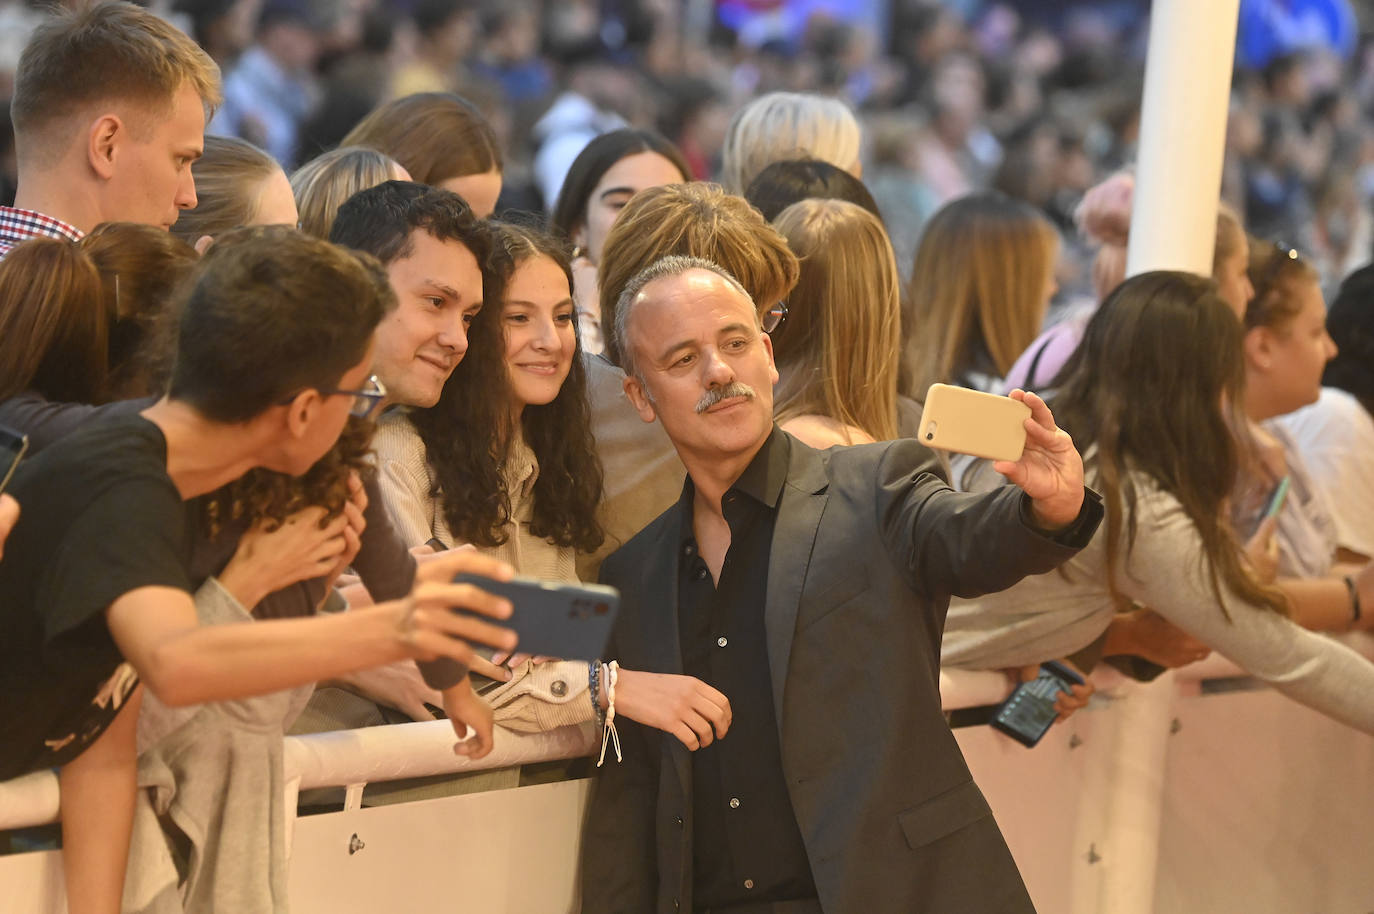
{"x": 746, "y": 843}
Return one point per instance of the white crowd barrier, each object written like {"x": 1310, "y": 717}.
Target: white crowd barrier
{"x": 1189, "y": 794}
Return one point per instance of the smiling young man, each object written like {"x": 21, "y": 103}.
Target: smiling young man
{"x": 432, "y": 248}
{"x": 810, "y": 588}
{"x": 274, "y": 352}
{"x": 109, "y": 112}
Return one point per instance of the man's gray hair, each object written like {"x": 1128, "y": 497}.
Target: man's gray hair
{"x": 664, "y": 267}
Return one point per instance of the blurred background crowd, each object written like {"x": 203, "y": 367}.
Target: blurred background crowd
{"x": 1037, "y": 98}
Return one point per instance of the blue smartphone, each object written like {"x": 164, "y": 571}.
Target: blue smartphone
{"x": 1029, "y": 711}
{"x": 1276, "y": 499}
{"x": 553, "y": 618}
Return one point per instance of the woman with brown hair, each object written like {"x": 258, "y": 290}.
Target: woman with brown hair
{"x": 442, "y": 140}
{"x": 979, "y": 291}
{"x": 608, "y": 171}
{"x": 1151, "y": 398}
{"x": 237, "y": 184}
{"x": 836, "y": 363}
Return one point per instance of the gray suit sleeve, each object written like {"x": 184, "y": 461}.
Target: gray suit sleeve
{"x": 954, "y": 544}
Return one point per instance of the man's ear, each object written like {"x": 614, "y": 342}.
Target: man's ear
{"x": 301, "y": 412}
{"x": 103, "y": 140}
{"x": 1258, "y": 346}
{"x": 772, "y": 365}
{"x": 639, "y": 398}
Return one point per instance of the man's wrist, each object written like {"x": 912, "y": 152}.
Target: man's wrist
{"x": 1057, "y": 519}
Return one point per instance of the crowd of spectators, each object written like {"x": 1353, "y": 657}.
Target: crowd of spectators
{"x": 1037, "y": 100}
{"x": 443, "y": 287}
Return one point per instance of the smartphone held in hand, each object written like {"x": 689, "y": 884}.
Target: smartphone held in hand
{"x": 553, "y": 618}
{"x": 971, "y": 422}
{"x": 1029, "y": 711}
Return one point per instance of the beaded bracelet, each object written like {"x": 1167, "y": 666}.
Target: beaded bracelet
{"x": 594, "y": 683}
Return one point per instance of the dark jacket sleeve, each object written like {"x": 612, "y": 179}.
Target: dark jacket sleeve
{"x": 955, "y": 544}
{"x": 45, "y": 421}
{"x": 619, "y": 868}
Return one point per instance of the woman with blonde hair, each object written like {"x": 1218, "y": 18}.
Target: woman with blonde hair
{"x": 442, "y": 140}
{"x": 237, "y": 184}
{"x": 323, "y": 184}
{"x": 788, "y": 125}
{"x": 836, "y": 363}
{"x": 980, "y": 287}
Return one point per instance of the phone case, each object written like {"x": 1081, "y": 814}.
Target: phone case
{"x": 1029, "y": 711}
{"x": 568, "y": 621}
{"x": 972, "y": 422}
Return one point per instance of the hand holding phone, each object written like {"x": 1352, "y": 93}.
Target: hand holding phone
{"x": 1277, "y": 498}
{"x": 555, "y": 619}
{"x": 972, "y": 422}
{"x": 1029, "y": 711}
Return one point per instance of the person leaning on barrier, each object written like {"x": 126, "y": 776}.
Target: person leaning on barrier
{"x": 811, "y": 588}
{"x": 275, "y": 345}
{"x": 1154, "y": 396}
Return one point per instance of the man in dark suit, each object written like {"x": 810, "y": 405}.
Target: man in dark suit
{"x": 811, "y": 589}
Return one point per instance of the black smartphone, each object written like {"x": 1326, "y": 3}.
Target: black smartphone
{"x": 12, "y": 448}
{"x": 553, "y": 618}
{"x": 1027, "y": 713}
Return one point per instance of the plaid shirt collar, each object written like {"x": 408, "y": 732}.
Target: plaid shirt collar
{"x": 18, "y": 225}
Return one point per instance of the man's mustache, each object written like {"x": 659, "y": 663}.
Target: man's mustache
{"x": 716, "y": 394}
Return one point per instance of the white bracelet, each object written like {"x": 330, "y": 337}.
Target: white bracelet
{"x": 609, "y": 734}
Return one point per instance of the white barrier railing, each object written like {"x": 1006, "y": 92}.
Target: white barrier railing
{"x": 1087, "y": 813}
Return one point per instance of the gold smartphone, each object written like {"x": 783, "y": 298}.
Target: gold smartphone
{"x": 972, "y": 422}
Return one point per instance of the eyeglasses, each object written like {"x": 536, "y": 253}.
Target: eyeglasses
{"x": 365, "y": 401}
{"x": 774, "y": 317}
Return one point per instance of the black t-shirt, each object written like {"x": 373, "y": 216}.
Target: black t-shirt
{"x": 100, "y": 518}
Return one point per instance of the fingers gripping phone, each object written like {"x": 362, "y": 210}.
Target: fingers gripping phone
{"x": 570, "y": 621}
{"x": 1027, "y": 713}
{"x": 1277, "y": 498}
{"x": 972, "y": 422}
{"x": 12, "y": 448}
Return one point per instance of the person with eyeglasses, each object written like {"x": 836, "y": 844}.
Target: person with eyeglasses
{"x": 643, "y": 474}
{"x": 95, "y": 591}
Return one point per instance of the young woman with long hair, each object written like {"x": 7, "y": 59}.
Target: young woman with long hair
{"x": 506, "y": 462}
{"x": 1152, "y": 397}
{"x": 442, "y": 140}
{"x": 1335, "y": 435}
{"x": 979, "y": 291}
{"x": 607, "y": 172}
{"x": 323, "y": 184}
{"x": 836, "y": 363}
{"x": 237, "y": 184}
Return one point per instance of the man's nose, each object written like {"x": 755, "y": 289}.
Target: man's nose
{"x": 716, "y": 372}
{"x": 454, "y": 336}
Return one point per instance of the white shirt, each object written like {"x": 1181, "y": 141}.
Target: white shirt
{"x": 1335, "y": 436}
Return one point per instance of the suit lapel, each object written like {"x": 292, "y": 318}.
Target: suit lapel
{"x": 661, "y": 632}
{"x": 794, "y": 536}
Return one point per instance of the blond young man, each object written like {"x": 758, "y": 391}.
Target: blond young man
{"x": 109, "y": 111}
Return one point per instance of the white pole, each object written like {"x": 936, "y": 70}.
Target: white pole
{"x": 1182, "y": 135}
{"x": 1135, "y": 796}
